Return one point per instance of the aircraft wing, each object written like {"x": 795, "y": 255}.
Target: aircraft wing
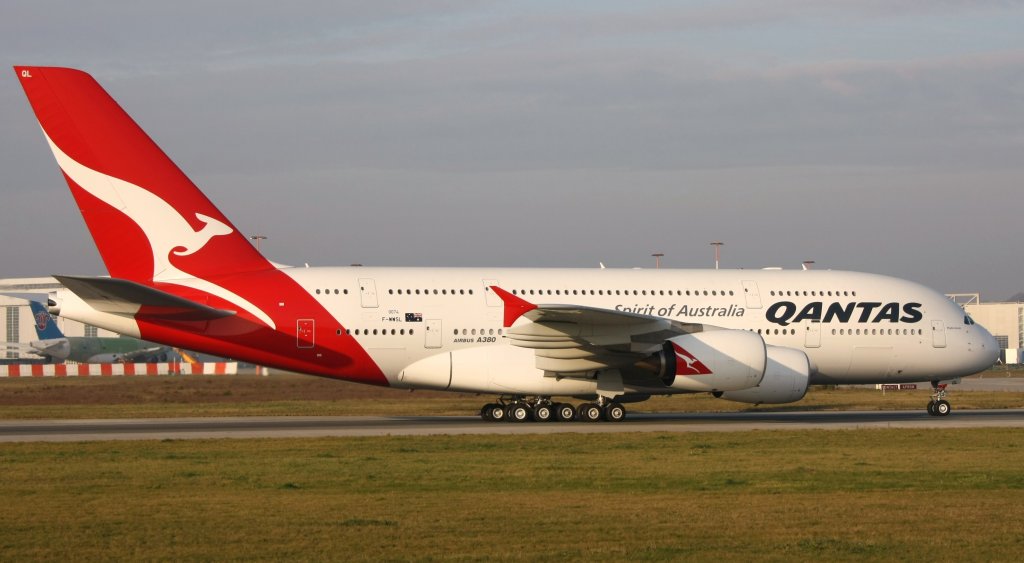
{"x": 123, "y": 297}
{"x": 574, "y": 338}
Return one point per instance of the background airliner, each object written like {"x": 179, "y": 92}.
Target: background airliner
{"x": 54, "y": 345}
{"x": 182, "y": 274}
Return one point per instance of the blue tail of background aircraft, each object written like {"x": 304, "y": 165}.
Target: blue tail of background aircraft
{"x": 46, "y": 326}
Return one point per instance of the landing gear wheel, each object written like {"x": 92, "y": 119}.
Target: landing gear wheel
{"x": 518, "y": 412}
{"x": 495, "y": 412}
{"x": 614, "y": 412}
{"x": 543, "y": 413}
{"x": 565, "y": 412}
{"x": 485, "y": 411}
{"x": 590, "y": 412}
{"x": 939, "y": 406}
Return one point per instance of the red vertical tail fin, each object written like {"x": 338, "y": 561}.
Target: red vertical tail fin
{"x": 149, "y": 221}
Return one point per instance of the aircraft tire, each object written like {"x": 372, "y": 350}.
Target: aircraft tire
{"x": 943, "y": 408}
{"x": 496, "y": 412}
{"x": 565, "y": 412}
{"x": 614, "y": 412}
{"x": 543, "y": 413}
{"x": 518, "y": 412}
{"x": 931, "y": 408}
{"x": 589, "y": 412}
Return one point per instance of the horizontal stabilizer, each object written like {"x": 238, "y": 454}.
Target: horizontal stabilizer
{"x": 126, "y": 298}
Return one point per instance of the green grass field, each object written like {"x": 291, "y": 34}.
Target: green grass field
{"x": 762, "y": 495}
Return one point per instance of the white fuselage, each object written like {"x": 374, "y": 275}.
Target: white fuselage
{"x": 402, "y": 315}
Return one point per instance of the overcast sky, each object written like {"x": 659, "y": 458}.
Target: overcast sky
{"x": 877, "y": 135}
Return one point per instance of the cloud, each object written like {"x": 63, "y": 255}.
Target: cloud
{"x": 467, "y": 133}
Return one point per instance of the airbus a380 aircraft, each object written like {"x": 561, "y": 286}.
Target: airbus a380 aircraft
{"x": 182, "y": 275}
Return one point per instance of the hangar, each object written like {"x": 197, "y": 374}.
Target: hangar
{"x": 1004, "y": 320}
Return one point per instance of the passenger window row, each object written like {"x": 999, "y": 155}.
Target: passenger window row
{"x": 878, "y": 332}
{"x": 378, "y": 332}
{"x": 474, "y": 332}
{"x": 653, "y": 292}
{"x": 805, "y": 293}
{"x": 430, "y": 292}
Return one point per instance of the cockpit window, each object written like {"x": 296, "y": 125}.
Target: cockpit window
{"x": 968, "y": 320}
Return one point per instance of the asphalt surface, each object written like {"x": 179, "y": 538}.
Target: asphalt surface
{"x": 304, "y": 427}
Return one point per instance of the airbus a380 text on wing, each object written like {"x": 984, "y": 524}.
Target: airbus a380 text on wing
{"x": 182, "y": 275}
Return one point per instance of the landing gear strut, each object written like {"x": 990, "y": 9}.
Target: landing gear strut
{"x": 541, "y": 409}
{"x": 938, "y": 405}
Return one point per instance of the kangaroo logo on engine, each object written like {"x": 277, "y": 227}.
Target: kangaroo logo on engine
{"x": 687, "y": 363}
{"x": 784, "y": 313}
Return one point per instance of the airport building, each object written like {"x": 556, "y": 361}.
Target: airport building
{"x": 19, "y": 325}
{"x": 1004, "y": 320}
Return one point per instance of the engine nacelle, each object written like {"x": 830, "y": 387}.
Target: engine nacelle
{"x": 785, "y": 379}
{"x": 717, "y": 360}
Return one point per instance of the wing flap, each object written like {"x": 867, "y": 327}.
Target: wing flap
{"x": 576, "y": 339}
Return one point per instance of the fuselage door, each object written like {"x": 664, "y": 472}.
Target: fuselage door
{"x": 433, "y": 333}
{"x": 813, "y": 336}
{"x": 367, "y": 293}
{"x": 752, "y": 295}
{"x": 492, "y": 298}
{"x": 938, "y": 334}
{"x": 304, "y": 333}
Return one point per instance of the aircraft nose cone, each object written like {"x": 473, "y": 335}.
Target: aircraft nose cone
{"x": 987, "y": 350}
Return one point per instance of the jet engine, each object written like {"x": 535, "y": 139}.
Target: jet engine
{"x": 785, "y": 379}
{"x": 717, "y": 360}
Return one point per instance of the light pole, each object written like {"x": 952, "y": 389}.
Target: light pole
{"x": 657, "y": 259}
{"x": 257, "y": 239}
{"x": 718, "y": 247}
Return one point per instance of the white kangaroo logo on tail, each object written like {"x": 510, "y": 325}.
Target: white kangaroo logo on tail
{"x": 165, "y": 228}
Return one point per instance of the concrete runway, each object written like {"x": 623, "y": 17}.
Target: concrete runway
{"x": 305, "y": 427}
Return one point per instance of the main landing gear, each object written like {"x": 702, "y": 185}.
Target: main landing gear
{"x": 542, "y": 409}
{"x": 938, "y": 405}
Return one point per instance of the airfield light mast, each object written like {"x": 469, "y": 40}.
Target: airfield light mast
{"x": 257, "y": 239}
{"x": 718, "y": 247}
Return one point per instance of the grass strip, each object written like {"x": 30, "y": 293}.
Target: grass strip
{"x": 762, "y": 495}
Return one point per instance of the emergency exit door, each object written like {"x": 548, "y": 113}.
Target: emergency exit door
{"x": 367, "y": 293}
{"x": 433, "y": 333}
{"x": 938, "y": 334}
{"x": 751, "y": 294}
{"x": 813, "y": 337}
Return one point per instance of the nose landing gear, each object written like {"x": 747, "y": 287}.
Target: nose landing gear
{"x": 938, "y": 405}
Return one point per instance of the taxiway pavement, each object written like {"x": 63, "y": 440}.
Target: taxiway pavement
{"x": 306, "y": 427}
